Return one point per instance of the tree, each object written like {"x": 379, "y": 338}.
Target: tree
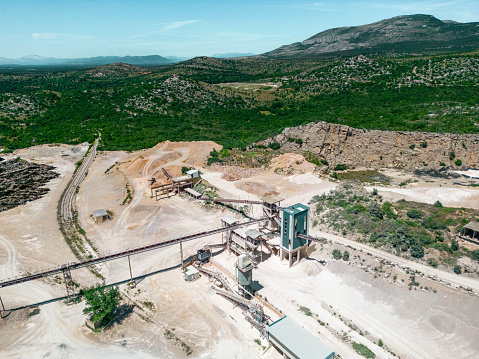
{"x": 437, "y": 204}
{"x": 457, "y": 269}
{"x": 346, "y": 256}
{"x": 336, "y": 254}
{"x": 380, "y": 343}
{"x": 101, "y": 303}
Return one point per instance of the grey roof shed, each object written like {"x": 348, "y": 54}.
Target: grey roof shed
{"x": 297, "y": 342}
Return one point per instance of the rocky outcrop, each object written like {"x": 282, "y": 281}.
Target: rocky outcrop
{"x": 340, "y": 144}
{"x": 21, "y": 182}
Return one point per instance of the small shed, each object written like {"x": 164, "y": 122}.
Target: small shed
{"x": 296, "y": 342}
{"x": 100, "y": 215}
{"x": 472, "y": 230}
{"x": 229, "y": 221}
{"x": 193, "y": 173}
{"x": 191, "y": 274}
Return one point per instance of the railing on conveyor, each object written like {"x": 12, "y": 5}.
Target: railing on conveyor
{"x": 167, "y": 174}
{"x": 308, "y": 237}
{"x": 227, "y": 200}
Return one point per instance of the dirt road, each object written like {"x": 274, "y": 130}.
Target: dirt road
{"x": 451, "y": 279}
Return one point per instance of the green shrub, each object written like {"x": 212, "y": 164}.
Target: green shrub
{"x": 458, "y": 162}
{"x": 412, "y": 146}
{"x": 299, "y": 141}
{"x": 274, "y": 146}
{"x": 442, "y": 164}
{"x": 430, "y": 223}
{"x": 380, "y": 343}
{"x": 306, "y": 311}
{"x": 454, "y": 246}
{"x": 340, "y": 168}
{"x": 424, "y": 144}
{"x": 438, "y": 204}
{"x": 457, "y": 269}
{"x": 324, "y": 162}
{"x": 414, "y": 213}
{"x": 417, "y": 251}
{"x": 336, "y": 254}
{"x": 346, "y": 256}
{"x": 452, "y": 155}
{"x": 363, "y": 350}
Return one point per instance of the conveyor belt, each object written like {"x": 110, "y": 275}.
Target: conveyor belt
{"x": 72, "y": 266}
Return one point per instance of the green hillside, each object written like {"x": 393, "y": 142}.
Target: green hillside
{"x": 235, "y": 102}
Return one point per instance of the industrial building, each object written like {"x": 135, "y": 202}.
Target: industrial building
{"x": 294, "y": 342}
{"x": 294, "y": 232}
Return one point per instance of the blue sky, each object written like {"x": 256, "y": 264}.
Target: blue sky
{"x": 86, "y": 28}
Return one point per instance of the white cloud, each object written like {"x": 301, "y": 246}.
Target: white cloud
{"x": 44, "y": 36}
{"x": 317, "y": 6}
{"x": 177, "y": 24}
{"x": 416, "y": 6}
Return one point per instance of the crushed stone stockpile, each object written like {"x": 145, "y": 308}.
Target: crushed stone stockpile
{"x": 21, "y": 182}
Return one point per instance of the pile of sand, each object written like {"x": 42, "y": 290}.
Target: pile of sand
{"x": 293, "y": 163}
{"x": 171, "y": 155}
{"x": 259, "y": 189}
{"x": 234, "y": 173}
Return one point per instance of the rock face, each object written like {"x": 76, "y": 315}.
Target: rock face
{"x": 340, "y": 144}
{"x": 21, "y": 182}
{"x": 401, "y": 34}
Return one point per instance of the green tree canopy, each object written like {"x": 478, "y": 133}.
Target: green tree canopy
{"x": 101, "y": 303}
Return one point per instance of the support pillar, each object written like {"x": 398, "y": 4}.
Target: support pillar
{"x": 67, "y": 277}
{"x": 299, "y": 255}
{"x": 3, "y": 308}
{"x": 181, "y": 253}
{"x": 131, "y": 275}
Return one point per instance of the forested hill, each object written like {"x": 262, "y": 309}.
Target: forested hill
{"x": 235, "y": 102}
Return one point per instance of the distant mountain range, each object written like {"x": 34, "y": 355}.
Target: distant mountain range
{"x": 408, "y": 34}
{"x": 151, "y": 60}
{"x": 232, "y": 54}
{"x": 34, "y": 60}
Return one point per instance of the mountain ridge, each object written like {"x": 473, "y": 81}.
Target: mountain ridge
{"x": 405, "y": 34}
{"x": 36, "y": 60}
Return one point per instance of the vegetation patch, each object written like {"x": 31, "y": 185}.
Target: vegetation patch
{"x": 369, "y": 176}
{"x": 403, "y": 227}
{"x": 363, "y": 350}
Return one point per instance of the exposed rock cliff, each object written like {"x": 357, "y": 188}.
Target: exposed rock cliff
{"x": 340, "y": 144}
